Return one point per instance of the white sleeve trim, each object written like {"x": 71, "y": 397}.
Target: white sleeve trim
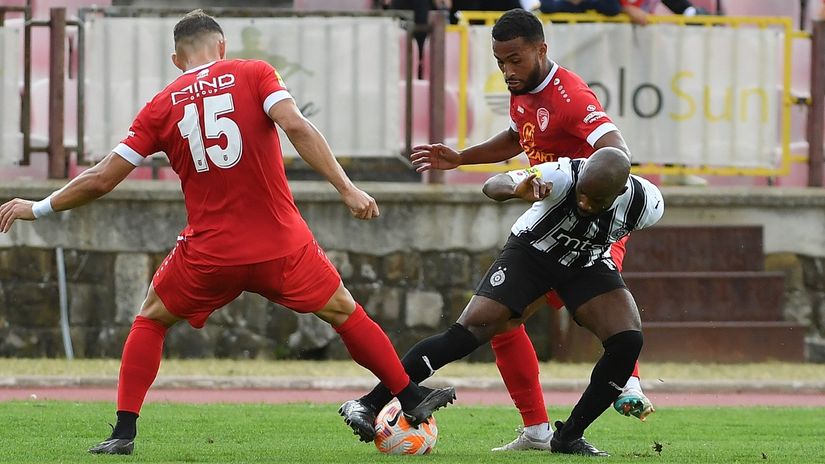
{"x": 274, "y": 98}
{"x": 126, "y": 152}
{"x": 600, "y": 131}
{"x": 513, "y": 126}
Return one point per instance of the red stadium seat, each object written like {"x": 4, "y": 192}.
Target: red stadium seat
{"x": 421, "y": 113}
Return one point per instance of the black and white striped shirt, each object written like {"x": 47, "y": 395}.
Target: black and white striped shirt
{"x": 552, "y": 225}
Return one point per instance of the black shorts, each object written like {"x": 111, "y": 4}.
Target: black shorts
{"x": 521, "y": 274}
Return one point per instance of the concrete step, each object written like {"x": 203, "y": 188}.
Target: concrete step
{"x": 707, "y": 296}
{"x": 695, "y": 248}
{"x": 722, "y": 342}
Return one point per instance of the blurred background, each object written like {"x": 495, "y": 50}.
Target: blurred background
{"x": 721, "y": 105}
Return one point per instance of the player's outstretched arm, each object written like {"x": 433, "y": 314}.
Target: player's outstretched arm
{"x": 500, "y": 147}
{"x": 314, "y": 149}
{"x": 502, "y": 187}
{"x": 89, "y": 185}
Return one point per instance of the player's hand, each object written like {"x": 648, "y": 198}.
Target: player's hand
{"x": 435, "y": 156}
{"x": 13, "y": 210}
{"x": 360, "y": 204}
{"x": 532, "y": 189}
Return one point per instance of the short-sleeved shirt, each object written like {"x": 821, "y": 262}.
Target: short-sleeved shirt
{"x": 212, "y": 122}
{"x": 560, "y": 118}
{"x": 553, "y": 226}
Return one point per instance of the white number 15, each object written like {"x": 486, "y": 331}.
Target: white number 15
{"x": 190, "y": 129}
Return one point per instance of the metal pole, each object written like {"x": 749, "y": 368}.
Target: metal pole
{"x": 438, "y": 22}
{"x": 81, "y": 91}
{"x": 816, "y": 112}
{"x": 64, "y": 303}
{"x": 58, "y": 162}
{"x": 26, "y": 110}
{"x": 408, "y": 114}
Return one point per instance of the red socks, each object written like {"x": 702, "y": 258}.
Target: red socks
{"x": 636, "y": 370}
{"x": 519, "y": 368}
{"x": 140, "y": 363}
{"x": 369, "y": 346}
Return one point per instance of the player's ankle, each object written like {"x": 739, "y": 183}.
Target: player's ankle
{"x": 126, "y": 426}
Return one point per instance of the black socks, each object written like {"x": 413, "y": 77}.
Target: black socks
{"x": 126, "y": 426}
{"x": 426, "y": 357}
{"x": 606, "y": 382}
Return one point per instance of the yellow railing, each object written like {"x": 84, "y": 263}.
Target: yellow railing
{"x": 789, "y": 35}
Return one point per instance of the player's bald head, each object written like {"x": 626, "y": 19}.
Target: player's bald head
{"x": 605, "y": 173}
{"x": 195, "y": 28}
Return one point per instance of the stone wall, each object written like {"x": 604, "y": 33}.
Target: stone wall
{"x": 413, "y": 269}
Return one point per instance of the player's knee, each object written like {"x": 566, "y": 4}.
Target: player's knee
{"x": 154, "y": 309}
{"x": 629, "y": 342}
{"x": 341, "y": 302}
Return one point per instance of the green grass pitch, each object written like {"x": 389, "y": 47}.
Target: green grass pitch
{"x": 53, "y": 431}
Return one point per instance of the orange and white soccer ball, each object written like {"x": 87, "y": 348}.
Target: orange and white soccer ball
{"x": 394, "y": 435}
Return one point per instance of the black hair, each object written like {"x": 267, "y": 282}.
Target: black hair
{"x": 193, "y": 24}
{"x": 518, "y": 23}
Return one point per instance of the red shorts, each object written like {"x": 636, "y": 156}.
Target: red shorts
{"x": 617, "y": 251}
{"x": 303, "y": 281}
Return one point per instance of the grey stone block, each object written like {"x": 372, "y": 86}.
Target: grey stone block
{"x": 424, "y": 308}
{"x": 132, "y": 278}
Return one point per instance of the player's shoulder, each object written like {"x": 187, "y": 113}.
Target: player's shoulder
{"x": 569, "y": 79}
{"x": 248, "y": 64}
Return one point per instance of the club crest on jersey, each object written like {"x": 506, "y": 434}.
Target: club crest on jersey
{"x": 543, "y": 118}
{"x": 618, "y": 233}
{"x": 203, "y": 87}
{"x": 498, "y": 277}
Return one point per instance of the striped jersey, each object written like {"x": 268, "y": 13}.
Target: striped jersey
{"x": 553, "y": 225}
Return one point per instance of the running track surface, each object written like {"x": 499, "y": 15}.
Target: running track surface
{"x": 465, "y": 396}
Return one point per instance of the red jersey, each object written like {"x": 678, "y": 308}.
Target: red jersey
{"x": 212, "y": 122}
{"x": 559, "y": 118}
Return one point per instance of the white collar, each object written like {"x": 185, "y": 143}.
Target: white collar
{"x": 198, "y": 68}
{"x": 547, "y": 79}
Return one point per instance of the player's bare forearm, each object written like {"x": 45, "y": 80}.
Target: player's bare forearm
{"x": 500, "y": 187}
{"x": 500, "y": 147}
{"x": 612, "y": 139}
{"x": 314, "y": 149}
{"x": 92, "y": 183}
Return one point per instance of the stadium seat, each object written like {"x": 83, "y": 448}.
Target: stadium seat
{"x": 421, "y": 113}
{"x": 452, "y": 59}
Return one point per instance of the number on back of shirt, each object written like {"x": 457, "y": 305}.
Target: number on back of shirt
{"x": 215, "y": 126}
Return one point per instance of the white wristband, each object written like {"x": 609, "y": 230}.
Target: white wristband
{"x": 43, "y": 207}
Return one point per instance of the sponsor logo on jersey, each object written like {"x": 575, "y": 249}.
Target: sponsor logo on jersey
{"x": 202, "y": 88}
{"x": 574, "y": 243}
{"x": 528, "y": 144}
{"x": 543, "y": 118}
{"x": 594, "y": 116}
{"x": 498, "y": 277}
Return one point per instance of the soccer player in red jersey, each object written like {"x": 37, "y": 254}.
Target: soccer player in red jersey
{"x": 244, "y": 232}
{"x": 553, "y": 114}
